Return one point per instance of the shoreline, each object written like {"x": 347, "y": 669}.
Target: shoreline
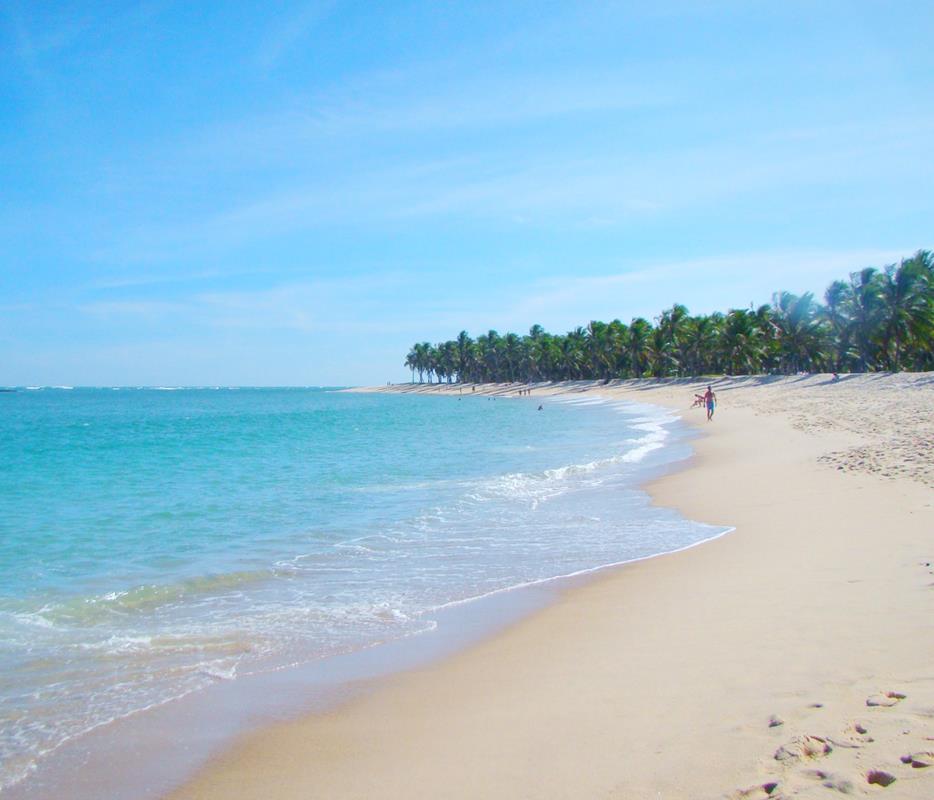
{"x": 210, "y": 719}
{"x": 659, "y": 678}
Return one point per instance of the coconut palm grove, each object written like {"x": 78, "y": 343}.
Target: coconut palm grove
{"x": 878, "y": 319}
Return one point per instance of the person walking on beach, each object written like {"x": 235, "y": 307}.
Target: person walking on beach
{"x": 710, "y": 400}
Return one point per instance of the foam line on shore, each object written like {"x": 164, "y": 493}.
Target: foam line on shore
{"x": 581, "y": 572}
{"x": 714, "y": 672}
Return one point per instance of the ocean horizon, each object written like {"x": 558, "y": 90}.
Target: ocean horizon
{"x": 159, "y": 540}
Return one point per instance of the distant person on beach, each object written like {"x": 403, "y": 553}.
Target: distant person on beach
{"x": 699, "y": 401}
{"x": 710, "y": 400}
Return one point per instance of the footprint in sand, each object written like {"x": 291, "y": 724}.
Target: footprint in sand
{"x": 854, "y": 736}
{"x": 803, "y": 748}
{"x": 831, "y": 781}
{"x": 919, "y": 760}
{"x": 885, "y": 699}
{"x": 763, "y": 791}
{"x": 880, "y": 777}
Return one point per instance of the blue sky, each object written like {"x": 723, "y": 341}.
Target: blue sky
{"x": 295, "y": 192}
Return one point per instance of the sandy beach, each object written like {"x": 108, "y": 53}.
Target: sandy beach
{"x": 793, "y": 657}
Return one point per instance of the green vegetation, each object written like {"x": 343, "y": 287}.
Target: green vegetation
{"x": 877, "y": 320}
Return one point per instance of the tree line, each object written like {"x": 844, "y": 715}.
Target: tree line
{"x": 878, "y": 319}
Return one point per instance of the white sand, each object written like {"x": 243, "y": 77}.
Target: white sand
{"x": 659, "y": 679}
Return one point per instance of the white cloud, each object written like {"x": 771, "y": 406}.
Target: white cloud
{"x": 288, "y": 32}
{"x": 566, "y": 187}
{"x": 328, "y": 305}
{"x": 703, "y": 284}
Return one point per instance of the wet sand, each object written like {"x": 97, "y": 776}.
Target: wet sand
{"x": 793, "y": 657}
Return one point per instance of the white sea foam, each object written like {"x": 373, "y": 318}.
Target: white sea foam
{"x": 580, "y": 572}
{"x": 591, "y": 400}
{"x": 33, "y": 619}
{"x": 356, "y": 560}
{"x": 218, "y": 672}
{"x": 538, "y": 486}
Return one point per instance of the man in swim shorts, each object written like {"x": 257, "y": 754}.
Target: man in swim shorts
{"x": 710, "y": 400}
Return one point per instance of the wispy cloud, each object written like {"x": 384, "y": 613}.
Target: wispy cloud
{"x": 409, "y": 102}
{"x": 29, "y": 47}
{"x": 492, "y": 102}
{"x": 560, "y": 188}
{"x": 335, "y": 305}
{"x": 135, "y": 281}
{"x": 153, "y": 310}
{"x": 704, "y": 284}
{"x": 289, "y": 31}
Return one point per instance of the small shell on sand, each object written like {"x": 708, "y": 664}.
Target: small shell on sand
{"x": 803, "y": 747}
{"x": 884, "y": 699}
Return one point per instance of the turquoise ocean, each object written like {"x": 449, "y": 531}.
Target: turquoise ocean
{"x": 156, "y": 541}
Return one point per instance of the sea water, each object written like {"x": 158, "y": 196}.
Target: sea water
{"x": 156, "y": 541}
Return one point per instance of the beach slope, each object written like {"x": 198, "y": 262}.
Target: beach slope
{"x": 793, "y": 657}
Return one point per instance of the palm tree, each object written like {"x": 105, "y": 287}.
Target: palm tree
{"x": 431, "y": 362}
{"x": 770, "y": 356}
{"x": 618, "y": 344}
{"x": 422, "y": 359}
{"x": 661, "y": 353}
{"x": 552, "y": 357}
{"x": 512, "y": 356}
{"x": 639, "y": 332}
{"x": 864, "y": 306}
{"x": 410, "y": 361}
{"x": 800, "y": 332}
{"x": 599, "y": 350}
{"x": 906, "y": 307}
{"x": 535, "y": 353}
{"x": 572, "y": 354}
{"x": 671, "y": 335}
{"x": 699, "y": 338}
{"x": 741, "y": 342}
{"x": 835, "y": 313}
{"x": 877, "y": 319}
{"x": 447, "y": 360}
{"x": 920, "y": 350}
{"x": 489, "y": 347}
{"x": 465, "y": 357}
